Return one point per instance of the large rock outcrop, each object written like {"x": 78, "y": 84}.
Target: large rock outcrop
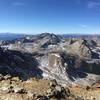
{"x": 60, "y": 66}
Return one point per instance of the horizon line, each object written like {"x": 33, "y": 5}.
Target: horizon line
{"x": 69, "y": 33}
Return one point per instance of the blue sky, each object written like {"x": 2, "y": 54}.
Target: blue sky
{"x": 57, "y": 16}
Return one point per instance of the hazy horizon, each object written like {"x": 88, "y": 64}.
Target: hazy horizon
{"x": 8, "y": 33}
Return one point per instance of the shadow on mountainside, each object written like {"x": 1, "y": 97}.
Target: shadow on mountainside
{"x": 73, "y": 67}
{"x": 19, "y": 64}
{"x": 92, "y": 66}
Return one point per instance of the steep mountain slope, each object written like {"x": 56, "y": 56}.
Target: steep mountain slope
{"x": 32, "y": 43}
{"x": 29, "y": 64}
{"x": 18, "y": 64}
{"x": 66, "y": 61}
{"x": 84, "y": 48}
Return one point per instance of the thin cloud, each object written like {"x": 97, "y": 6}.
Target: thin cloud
{"x": 90, "y": 4}
{"x": 18, "y": 4}
{"x": 93, "y": 4}
{"x": 83, "y": 25}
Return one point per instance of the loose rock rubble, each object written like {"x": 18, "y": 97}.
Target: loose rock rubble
{"x": 13, "y": 89}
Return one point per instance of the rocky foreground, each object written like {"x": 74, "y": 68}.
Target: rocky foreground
{"x": 12, "y": 88}
{"x": 32, "y": 89}
{"x": 49, "y": 67}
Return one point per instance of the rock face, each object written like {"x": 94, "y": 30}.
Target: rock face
{"x": 84, "y": 48}
{"x": 46, "y": 39}
{"x": 46, "y": 55}
{"x": 68, "y": 62}
{"x": 60, "y": 66}
{"x": 18, "y": 64}
{"x": 80, "y": 48}
{"x": 92, "y": 66}
{"x": 89, "y": 53}
{"x": 54, "y": 66}
{"x": 75, "y": 60}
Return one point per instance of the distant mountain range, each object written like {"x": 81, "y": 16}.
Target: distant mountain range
{"x": 11, "y": 36}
